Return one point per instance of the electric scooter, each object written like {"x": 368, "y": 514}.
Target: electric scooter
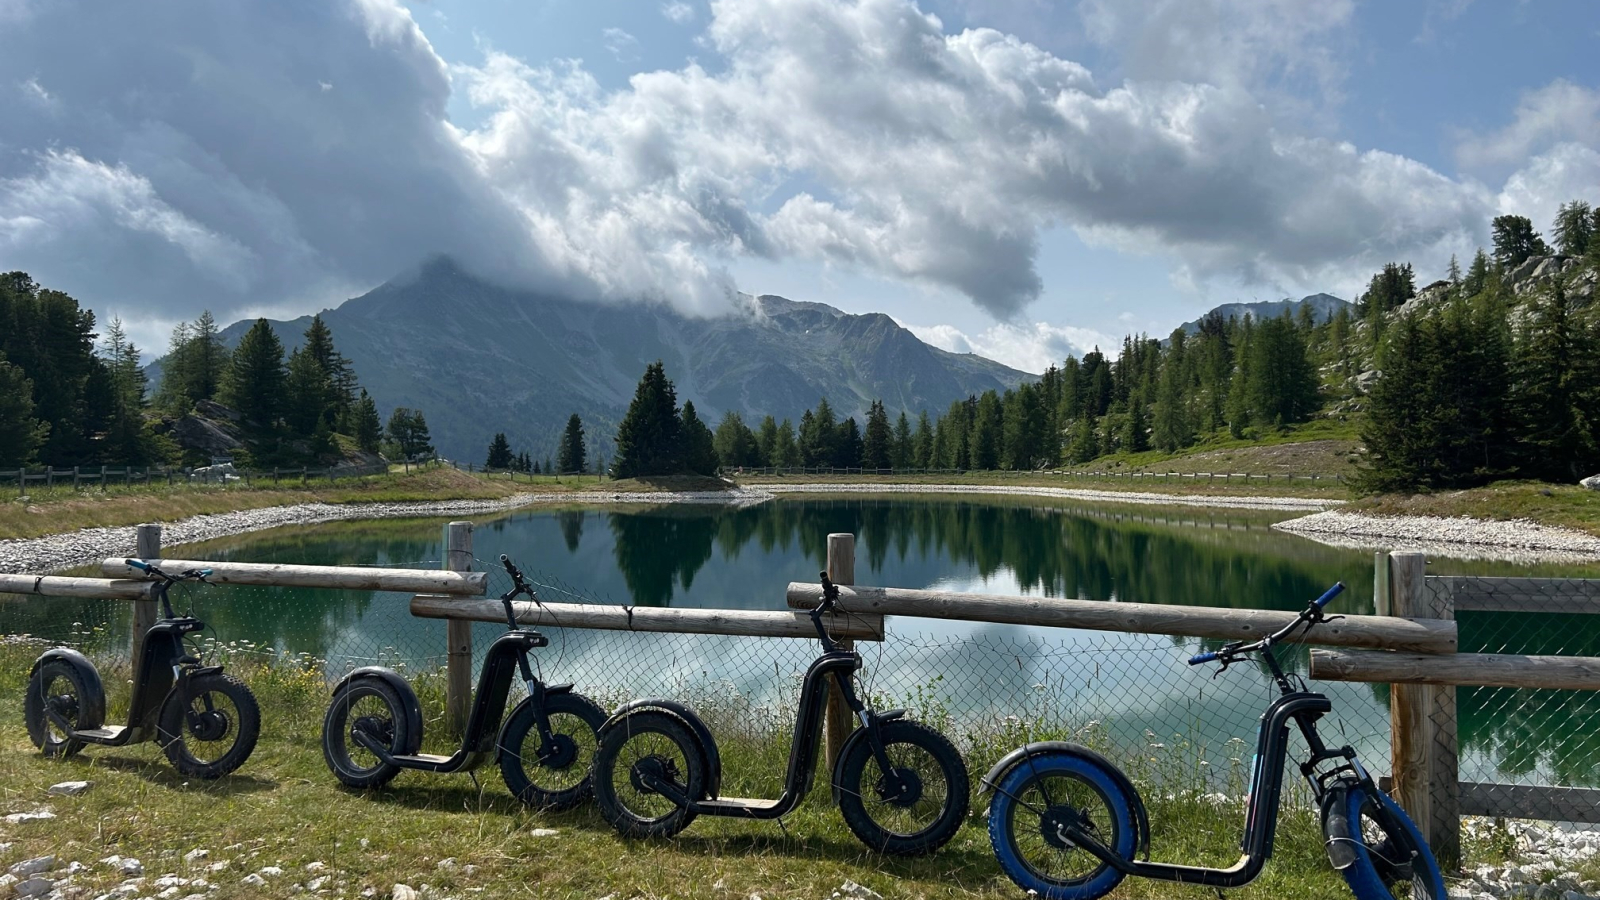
{"x": 1066, "y": 824}
{"x": 373, "y": 728}
{"x": 205, "y": 721}
{"x": 901, "y": 786}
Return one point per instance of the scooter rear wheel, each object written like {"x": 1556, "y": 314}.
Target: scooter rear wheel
{"x": 918, "y": 810}
{"x": 215, "y": 731}
{"x": 637, "y": 749}
{"x": 1031, "y": 804}
{"x": 558, "y": 777}
{"x": 58, "y": 687}
{"x": 374, "y": 706}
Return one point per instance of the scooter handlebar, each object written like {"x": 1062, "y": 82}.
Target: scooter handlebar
{"x": 1200, "y": 658}
{"x": 1325, "y": 599}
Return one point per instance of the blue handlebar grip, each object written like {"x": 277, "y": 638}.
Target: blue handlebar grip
{"x": 205, "y": 573}
{"x": 137, "y": 565}
{"x": 1202, "y": 658}
{"x": 1325, "y": 599}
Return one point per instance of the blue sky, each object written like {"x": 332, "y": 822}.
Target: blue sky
{"x": 1019, "y": 178}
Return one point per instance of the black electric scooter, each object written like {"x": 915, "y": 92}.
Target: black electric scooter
{"x": 373, "y": 728}
{"x": 658, "y": 766}
{"x": 1066, "y": 824}
{"x": 206, "y": 722}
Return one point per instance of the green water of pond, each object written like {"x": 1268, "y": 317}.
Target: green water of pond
{"x": 1130, "y": 690}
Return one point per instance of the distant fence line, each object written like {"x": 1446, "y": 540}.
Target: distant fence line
{"x": 1208, "y": 477}
{"x": 80, "y": 477}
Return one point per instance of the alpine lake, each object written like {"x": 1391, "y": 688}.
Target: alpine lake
{"x": 987, "y": 682}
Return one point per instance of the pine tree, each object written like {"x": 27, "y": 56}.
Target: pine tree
{"x": 819, "y": 437}
{"x": 1453, "y": 273}
{"x": 736, "y": 444}
{"x": 1477, "y": 275}
{"x": 1283, "y": 386}
{"x": 367, "y": 428}
{"x": 904, "y": 449}
{"x": 573, "y": 456}
{"x": 699, "y": 445}
{"x": 499, "y": 456}
{"x": 1085, "y": 445}
{"x": 1572, "y": 230}
{"x": 21, "y": 434}
{"x": 308, "y": 395}
{"x": 409, "y": 431}
{"x": 986, "y": 429}
{"x": 848, "y": 445}
{"x": 767, "y": 441}
{"x": 922, "y": 456}
{"x": 785, "y": 449}
{"x": 1134, "y": 437}
{"x": 1399, "y": 403}
{"x": 125, "y": 439}
{"x": 648, "y": 436}
{"x": 1515, "y": 241}
{"x": 878, "y": 444}
{"x": 254, "y": 386}
{"x": 1553, "y": 393}
{"x": 1171, "y": 429}
{"x": 339, "y": 377}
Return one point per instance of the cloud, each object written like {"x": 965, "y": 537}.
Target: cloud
{"x": 856, "y": 133}
{"x": 1031, "y": 347}
{"x": 1559, "y": 111}
{"x": 621, "y": 44}
{"x": 678, "y": 11}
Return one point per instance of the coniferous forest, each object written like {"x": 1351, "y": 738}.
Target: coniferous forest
{"x": 1485, "y": 374}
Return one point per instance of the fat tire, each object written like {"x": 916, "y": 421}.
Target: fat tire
{"x": 1363, "y": 876}
{"x": 336, "y": 722}
{"x": 512, "y": 765}
{"x": 35, "y": 717}
{"x": 613, "y": 738}
{"x": 956, "y": 802}
{"x": 172, "y": 734}
{"x": 1002, "y": 824}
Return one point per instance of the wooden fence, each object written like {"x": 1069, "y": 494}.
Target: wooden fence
{"x": 91, "y": 477}
{"x": 1412, "y": 644}
{"x": 1208, "y": 477}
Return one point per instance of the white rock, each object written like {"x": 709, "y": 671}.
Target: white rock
{"x": 169, "y": 893}
{"x": 365, "y": 843}
{"x": 316, "y": 866}
{"x": 469, "y": 870}
{"x": 38, "y": 815}
{"x": 32, "y": 866}
{"x": 130, "y": 866}
{"x": 6, "y": 881}
{"x": 219, "y": 865}
{"x": 69, "y": 788}
{"x": 269, "y": 871}
{"x": 75, "y": 867}
{"x": 543, "y": 832}
{"x": 317, "y": 882}
{"x": 167, "y": 881}
{"x": 254, "y": 880}
{"x": 33, "y": 887}
{"x": 403, "y": 892}
{"x": 194, "y": 856}
{"x": 446, "y": 865}
{"x": 859, "y": 891}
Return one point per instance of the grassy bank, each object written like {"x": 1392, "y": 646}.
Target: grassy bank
{"x": 1568, "y": 506}
{"x": 284, "y": 809}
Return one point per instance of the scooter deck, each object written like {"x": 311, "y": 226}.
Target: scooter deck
{"x": 110, "y": 734}
{"x": 736, "y": 805}
{"x": 422, "y": 759}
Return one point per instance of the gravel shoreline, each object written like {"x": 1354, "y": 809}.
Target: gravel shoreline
{"x": 1518, "y": 540}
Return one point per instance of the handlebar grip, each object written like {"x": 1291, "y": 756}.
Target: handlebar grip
{"x": 143, "y": 567}
{"x": 205, "y": 573}
{"x": 1204, "y": 658}
{"x": 1325, "y": 599}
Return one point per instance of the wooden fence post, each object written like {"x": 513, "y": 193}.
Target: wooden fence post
{"x": 1423, "y": 718}
{"x": 839, "y": 719}
{"x": 458, "y": 633}
{"x": 147, "y": 545}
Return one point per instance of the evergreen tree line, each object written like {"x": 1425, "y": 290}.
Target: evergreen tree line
{"x": 571, "y": 459}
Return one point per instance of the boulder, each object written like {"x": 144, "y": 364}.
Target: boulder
{"x": 1592, "y": 483}
{"x": 211, "y": 409}
{"x": 205, "y": 436}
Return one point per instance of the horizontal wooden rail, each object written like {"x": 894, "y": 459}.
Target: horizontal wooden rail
{"x": 1538, "y": 595}
{"x": 61, "y": 586}
{"x": 1570, "y": 673}
{"x": 1424, "y": 635}
{"x": 1529, "y": 801}
{"x": 350, "y": 578}
{"x": 739, "y": 622}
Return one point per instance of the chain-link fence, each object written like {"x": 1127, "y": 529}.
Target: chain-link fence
{"x": 991, "y": 688}
{"x": 1511, "y": 739}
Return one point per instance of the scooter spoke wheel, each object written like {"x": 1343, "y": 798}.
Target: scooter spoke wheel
{"x": 1036, "y": 802}
{"x": 1392, "y": 856}
{"x": 215, "y": 731}
{"x": 556, "y": 774}
{"x": 371, "y": 708}
{"x": 56, "y": 697}
{"x": 641, "y": 757}
{"x": 914, "y": 808}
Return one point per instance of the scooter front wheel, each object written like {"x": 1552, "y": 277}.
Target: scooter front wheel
{"x": 215, "y": 731}
{"x": 1033, "y": 803}
{"x": 58, "y": 694}
{"x": 644, "y": 757}
{"x": 917, "y": 808}
{"x": 554, "y": 776}
{"x": 1392, "y": 859}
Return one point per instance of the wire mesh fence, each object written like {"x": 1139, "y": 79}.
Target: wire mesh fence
{"x": 1509, "y": 739}
{"x": 991, "y": 688}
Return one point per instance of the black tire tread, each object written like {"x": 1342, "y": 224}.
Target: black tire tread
{"x": 33, "y": 712}
{"x": 382, "y": 773}
{"x": 512, "y": 770}
{"x": 612, "y": 739}
{"x": 906, "y": 731}
{"x": 170, "y": 733}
